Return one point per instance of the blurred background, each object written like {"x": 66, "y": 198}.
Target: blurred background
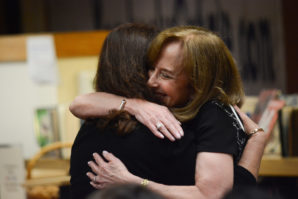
{"x": 260, "y": 33}
{"x": 49, "y": 53}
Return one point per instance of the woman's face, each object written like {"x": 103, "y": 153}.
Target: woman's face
{"x": 168, "y": 78}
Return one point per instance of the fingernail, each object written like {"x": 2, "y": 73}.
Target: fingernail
{"x": 104, "y": 152}
{"x": 89, "y": 162}
{"x": 181, "y": 133}
{"x": 178, "y": 135}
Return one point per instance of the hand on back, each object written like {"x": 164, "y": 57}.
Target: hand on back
{"x": 250, "y": 126}
{"x": 157, "y": 118}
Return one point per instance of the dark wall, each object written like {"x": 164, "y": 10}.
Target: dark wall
{"x": 290, "y": 18}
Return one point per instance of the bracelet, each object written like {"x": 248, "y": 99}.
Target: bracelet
{"x": 144, "y": 182}
{"x": 122, "y": 105}
{"x": 255, "y": 131}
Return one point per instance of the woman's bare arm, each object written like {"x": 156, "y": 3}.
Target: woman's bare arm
{"x": 94, "y": 104}
{"x": 99, "y": 104}
{"x": 254, "y": 149}
{"x": 214, "y": 176}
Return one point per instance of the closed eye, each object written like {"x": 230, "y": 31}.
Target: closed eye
{"x": 166, "y": 75}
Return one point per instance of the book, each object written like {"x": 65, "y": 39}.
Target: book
{"x": 12, "y": 172}
{"x": 284, "y": 121}
{"x": 287, "y": 127}
{"x": 268, "y": 122}
{"x": 291, "y": 99}
{"x": 266, "y": 114}
{"x": 293, "y": 133}
{"x": 46, "y": 128}
{"x": 264, "y": 98}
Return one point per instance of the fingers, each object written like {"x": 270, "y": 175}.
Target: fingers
{"x": 151, "y": 114}
{"x": 173, "y": 126}
{"x": 94, "y": 181}
{"x": 91, "y": 176}
{"x": 249, "y": 124}
{"x": 162, "y": 129}
{"x": 241, "y": 113}
{"x": 108, "y": 156}
{"x": 97, "y": 186}
{"x": 94, "y": 167}
{"x": 162, "y": 126}
{"x": 98, "y": 159}
{"x": 154, "y": 130}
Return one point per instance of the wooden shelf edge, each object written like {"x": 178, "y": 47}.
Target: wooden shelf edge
{"x": 57, "y": 180}
{"x": 67, "y": 44}
{"x": 279, "y": 166}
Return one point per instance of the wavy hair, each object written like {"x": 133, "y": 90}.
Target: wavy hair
{"x": 122, "y": 70}
{"x": 211, "y": 69}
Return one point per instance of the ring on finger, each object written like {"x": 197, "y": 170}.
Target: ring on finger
{"x": 159, "y": 125}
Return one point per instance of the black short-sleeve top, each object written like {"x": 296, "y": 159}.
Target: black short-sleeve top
{"x": 173, "y": 163}
{"x": 160, "y": 160}
{"x": 217, "y": 129}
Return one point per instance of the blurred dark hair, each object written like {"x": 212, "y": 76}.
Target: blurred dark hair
{"x": 125, "y": 191}
{"x": 122, "y": 69}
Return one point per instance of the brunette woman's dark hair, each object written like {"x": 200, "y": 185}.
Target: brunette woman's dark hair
{"x": 122, "y": 69}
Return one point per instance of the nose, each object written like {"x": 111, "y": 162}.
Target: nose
{"x": 152, "y": 81}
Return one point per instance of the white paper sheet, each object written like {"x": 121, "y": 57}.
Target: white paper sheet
{"x": 42, "y": 61}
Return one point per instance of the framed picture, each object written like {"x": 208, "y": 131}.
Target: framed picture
{"x": 46, "y": 127}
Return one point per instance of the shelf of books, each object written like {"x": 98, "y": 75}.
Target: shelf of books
{"x": 273, "y": 112}
{"x": 278, "y": 114}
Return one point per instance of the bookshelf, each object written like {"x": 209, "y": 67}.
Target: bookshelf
{"x": 270, "y": 167}
{"x": 279, "y": 167}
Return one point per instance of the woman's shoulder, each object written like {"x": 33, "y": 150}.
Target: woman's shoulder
{"x": 215, "y": 105}
{"x": 212, "y": 112}
{"x": 214, "y": 109}
{"x": 88, "y": 131}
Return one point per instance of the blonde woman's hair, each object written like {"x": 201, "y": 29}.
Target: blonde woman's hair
{"x": 209, "y": 64}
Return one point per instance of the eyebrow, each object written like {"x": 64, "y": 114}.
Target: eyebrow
{"x": 165, "y": 69}
{"x": 175, "y": 73}
{"x": 168, "y": 71}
